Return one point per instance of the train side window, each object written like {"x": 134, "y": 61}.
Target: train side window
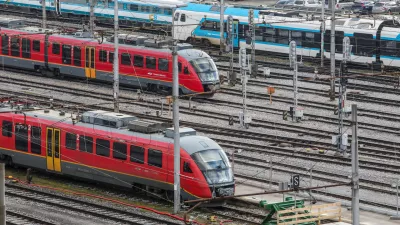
{"x": 155, "y": 158}
{"x": 70, "y": 141}
{"x": 26, "y": 48}
{"x": 176, "y": 17}
{"x": 137, "y": 154}
{"x": 6, "y": 128}
{"x": 179, "y": 67}
{"x": 85, "y": 144}
{"x": 186, "y": 167}
{"x": 134, "y": 7}
{"x": 297, "y": 36}
{"x": 21, "y": 137}
{"x": 163, "y": 64}
{"x": 119, "y": 150}
{"x": 111, "y": 57}
{"x": 167, "y": 11}
{"x": 156, "y": 10}
{"x": 183, "y": 18}
{"x": 36, "y": 133}
{"x": 138, "y": 60}
{"x": 103, "y": 147}
{"x": 55, "y": 48}
{"x": 15, "y": 46}
{"x": 150, "y": 62}
{"x": 283, "y": 36}
{"x": 36, "y": 45}
{"x": 4, "y": 45}
{"x": 126, "y": 59}
{"x": 66, "y": 54}
{"x": 103, "y": 56}
{"x": 77, "y": 56}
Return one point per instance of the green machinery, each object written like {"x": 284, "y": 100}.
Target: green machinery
{"x": 274, "y": 208}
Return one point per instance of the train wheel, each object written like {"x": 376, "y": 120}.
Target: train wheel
{"x": 206, "y": 43}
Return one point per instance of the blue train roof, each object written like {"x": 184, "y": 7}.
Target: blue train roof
{"x": 215, "y": 10}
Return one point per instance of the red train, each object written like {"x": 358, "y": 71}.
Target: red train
{"x": 113, "y": 148}
{"x": 147, "y": 68}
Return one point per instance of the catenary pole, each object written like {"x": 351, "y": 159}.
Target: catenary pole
{"x": 115, "y": 63}
{"x": 175, "y": 97}
{"x": 333, "y": 50}
{"x": 2, "y": 195}
{"x": 91, "y": 19}
{"x": 322, "y": 32}
{"x": 222, "y": 41}
{"x": 44, "y": 16}
{"x": 355, "y": 202}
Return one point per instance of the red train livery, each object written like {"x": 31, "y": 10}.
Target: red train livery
{"x": 113, "y": 148}
{"x": 147, "y": 68}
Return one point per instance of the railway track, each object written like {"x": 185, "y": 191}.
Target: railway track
{"x": 129, "y": 216}
{"x": 15, "y": 218}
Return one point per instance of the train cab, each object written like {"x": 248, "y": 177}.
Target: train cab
{"x": 202, "y": 65}
{"x": 212, "y": 164}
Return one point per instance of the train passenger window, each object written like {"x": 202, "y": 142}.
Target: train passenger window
{"x": 145, "y": 8}
{"x": 85, "y": 144}
{"x": 298, "y": 37}
{"x": 156, "y": 10}
{"x": 179, "y": 67}
{"x": 155, "y": 158}
{"x": 77, "y": 56}
{"x": 102, "y": 56}
{"x": 66, "y": 54}
{"x": 55, "y": 49}
{"x": 134, "y": 7}
{"x": 138, "y": 60}
{"x": 111, "y": 57}
{"x": 186, "y": 167}
{"x": 70, "y": 141}
{"x": 36, "y": 133}
{"x": 26, "y": 48}
{"x": 137, "y": 154}
{"x": 21, "y": 137}
{"x": 125, "y": 59}
{"x": 168, "y": 11}
{"x": 183, "y": 18}
{"x": 4, "y": 45}
{"x": 119, "y": 150}
{"x": 309, "y": 40}
{"x": 6, "y": 128}
{"x": 103, "y": 147}
{"x": 15, "y": 46}
{"x": 150, "y": 62}
{"x": 36, "y": 46}
{"x": 283, "y": 36}
{"x": 163, "y": 64}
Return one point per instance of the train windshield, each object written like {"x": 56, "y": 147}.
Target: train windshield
{"x": 205, "y": 68}
{"x": 215, "y": 166}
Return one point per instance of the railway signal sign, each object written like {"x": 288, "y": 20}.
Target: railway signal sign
{"x": 231, "y": 121}
{"x": 243, "y": 58}
{"x": 295, "y": 180}
{"x": 285, "y": 115}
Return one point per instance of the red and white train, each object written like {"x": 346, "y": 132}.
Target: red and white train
{"x": 139, "y": 66}
{"x": 113, "y": 148}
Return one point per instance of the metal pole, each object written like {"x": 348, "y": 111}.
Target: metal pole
{"x": 44, "y": 16}
{"x": 355, "y": 202}
{"x": 177, "y": 155}
{"x": 244, "y": 86}
{"x": 233, "y": 162}
{"x": 293, "y": 62}
{"x": 397, "y": 197}
{"x": 252, "y": 29}
{"x": 116, "y": 68}
{"x": 333, "y": 50}
{"x": 222, "y": 9}
{"x": 270, "y": 172}
{"x": 232, "y": 78}
{"x": 2, "y": 197}
{"x": 91, "y": 19}
{"x": 322, "y": 32}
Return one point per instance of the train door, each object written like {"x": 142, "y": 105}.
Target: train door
{"x": 90, "y": 70}
{"x": 236, "y": 33}
{"x": 53, "y": 156}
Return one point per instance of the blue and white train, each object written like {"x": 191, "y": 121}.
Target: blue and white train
{"x": 273, "y": 34}
{"x": 131, "y": 12}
